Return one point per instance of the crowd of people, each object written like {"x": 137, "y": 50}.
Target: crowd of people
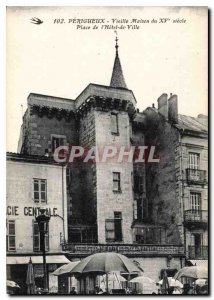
{"x": 186, "y": 290}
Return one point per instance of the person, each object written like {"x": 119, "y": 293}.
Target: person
{"x": 170, "y": 290}
{"x": 73, "y": 291}
{"x": 190, "y": 291}
{"x": 100, "y": 292}
{"x": 204, "y": 290}
{"x": 186, "y": 288}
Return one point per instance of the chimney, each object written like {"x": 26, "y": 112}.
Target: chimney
{"x": 173, "y": 109}
{"x": 163, "y": 105}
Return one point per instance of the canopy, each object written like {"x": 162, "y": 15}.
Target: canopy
{"x": 65, "y": 269}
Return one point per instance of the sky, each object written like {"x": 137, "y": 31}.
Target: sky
{"x": 60, "y": 60}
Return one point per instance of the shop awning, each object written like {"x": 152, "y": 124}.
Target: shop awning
{"x": 199, "y": 262}
{"x": 50, "y": 259}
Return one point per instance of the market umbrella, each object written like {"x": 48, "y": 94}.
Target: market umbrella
{"x": 65, "y": 269}
{"x": 172, "y": 282}
{"x": 143, "y": 280}
{"x": 30, "y": 280}
{"x": 12, "y": 284}
{"x": 193, "y": 272}
{"x": 201, "y": 282}
{"x": 148, "y": 284}
{"x": 103, "y": 263}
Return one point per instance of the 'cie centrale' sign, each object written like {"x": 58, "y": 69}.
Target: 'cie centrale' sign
{"x": 30, "y": 211}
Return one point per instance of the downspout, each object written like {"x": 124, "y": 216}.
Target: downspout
{"x": 63, "y": 210}
{"x": 182, "y": 188}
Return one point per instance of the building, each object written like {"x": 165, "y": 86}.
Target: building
{"x": 177, "y": 188}
{"x": 132, "y": 208}
{"x": 34, "y": 182}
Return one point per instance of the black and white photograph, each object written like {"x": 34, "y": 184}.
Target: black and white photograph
{"x": 107, "y": 150}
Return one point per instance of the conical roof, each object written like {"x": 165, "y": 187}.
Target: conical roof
{"x": 117, "y": 78}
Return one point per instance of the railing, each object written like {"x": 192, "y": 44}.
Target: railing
{"x": 198, "y": 252}
{"x": 149, "y": 235}
{"x": 126, "y": 249}
{"x": 196, "y": 176}
{"x": 196, "y": 216}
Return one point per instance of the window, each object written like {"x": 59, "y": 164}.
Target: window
{"x": 11, "y": 235}
{"x": 145, "y": 208}
{"x": 138, "y": 184}
{"x": 110, "y": 236}
{"x": 194, "y": 160}
{"x": 36, "y": 238}
{"x": 195, "y": 201}
{"x": 40, "y": 190}
{"x": 114, "y": 124}
{"x": 116, "y": 182}
{"x": 114, "y": 228}
{"x": 138, "y": 209}
{"x": 118, "y": 226}
{"x": 135, "y": 209}
{"x": 56, "y": 141}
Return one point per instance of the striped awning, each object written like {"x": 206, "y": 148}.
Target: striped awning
{"x": 199, "y": 262}
{"x": 24, "y": 260}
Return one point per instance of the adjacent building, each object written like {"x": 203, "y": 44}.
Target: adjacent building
{"x": 177, "y": 188}
{"x": 33, "y": 182}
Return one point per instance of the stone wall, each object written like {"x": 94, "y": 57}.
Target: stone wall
{"x": 88, "y": 170}
{"x": 153, "y": 265}
{"x": 161, "y": 178}
{"x": 109, "y": 201}
{"x": 40, "y": 129}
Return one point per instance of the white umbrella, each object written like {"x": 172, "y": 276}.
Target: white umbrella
{"x": 192, "y": 272}
{"x": 12, "y": 284}
{"x": 143, "y": 280}
{"x": 30, "y": 280}
{"x": 172, "y": 282}
{"x": 148, "y": 284}
{"x": 201, "y": 282}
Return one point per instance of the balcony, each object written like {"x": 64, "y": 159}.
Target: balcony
{"x": 197, "y": 177}
{"x": 198, "y": 252}
{"x": 130, "y": 250}
{"x": 148, "y": 234}
{"x": 196, "y": 218}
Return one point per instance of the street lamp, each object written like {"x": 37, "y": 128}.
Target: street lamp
{"x": 43, "y": 221}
